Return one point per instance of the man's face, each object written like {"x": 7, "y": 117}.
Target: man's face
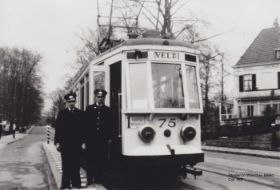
{"x": 71, "y": 104}
{"x": 99, "y": 99}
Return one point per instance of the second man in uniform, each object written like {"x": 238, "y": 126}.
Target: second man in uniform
{"x": 98, "y": 119}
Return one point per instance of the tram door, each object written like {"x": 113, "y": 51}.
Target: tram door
{"x": 115, "y": 100}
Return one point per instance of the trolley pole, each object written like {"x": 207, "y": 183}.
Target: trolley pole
{"x": 48, "y": 134}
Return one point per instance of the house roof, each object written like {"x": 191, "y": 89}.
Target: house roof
{"x": 262, "y": 50}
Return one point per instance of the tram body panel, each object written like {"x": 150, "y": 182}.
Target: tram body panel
{"x": 167, "y": 133}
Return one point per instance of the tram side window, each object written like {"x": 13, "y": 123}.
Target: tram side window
{"x": 192, "y": 87}
{"x": 86, "y": 91}
{"x": 138, "y": 85}
{"x": 99, "y": 79}
{"x": 167, "y": 85}
{"x": 82, "y": 99}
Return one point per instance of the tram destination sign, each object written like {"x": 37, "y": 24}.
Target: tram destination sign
{"x": 166, "y": 55}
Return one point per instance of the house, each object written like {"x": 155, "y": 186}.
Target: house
{"x": 257, "y": 76}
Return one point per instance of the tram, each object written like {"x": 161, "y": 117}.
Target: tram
{"x": 154, "y": 91}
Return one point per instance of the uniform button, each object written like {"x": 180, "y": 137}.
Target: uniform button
{"x": 97, "y": 129}
{"x": 98, "y": 117}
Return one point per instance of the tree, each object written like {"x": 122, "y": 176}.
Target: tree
{"x": 21, "y": 86}
{"x": 208, "y": 71}
{"x": 57, "y": 105}
{"x": 223, "y": 73}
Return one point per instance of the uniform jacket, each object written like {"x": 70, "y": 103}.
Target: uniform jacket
{"x": 68, "y": 127}
{"x": 98, "y": 125}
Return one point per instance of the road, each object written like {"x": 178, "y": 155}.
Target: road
{"x": 23, "y": 163}
{"x": 230, "y": 171}
{"x": 221, "y": 172}
{"x": 23, "y": 166}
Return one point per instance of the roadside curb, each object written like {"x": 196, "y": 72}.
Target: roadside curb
{"x": 54, "y": 162}
{"x": 52, "y": 182}
{"x": 249, "y": 152}
{"x": 53, "y": 168}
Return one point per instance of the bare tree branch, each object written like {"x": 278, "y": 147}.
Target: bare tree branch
{"x": 150, "y": 12}
{"x": 182, "y": 6}
{"x": 213, "y": 36}
{"x": 187, "y": 27}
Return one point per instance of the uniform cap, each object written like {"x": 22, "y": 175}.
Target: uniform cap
{"x": 70, "y": 97}
{"x": 100, "y": 92}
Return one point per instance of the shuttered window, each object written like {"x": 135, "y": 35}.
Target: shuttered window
{"x": 247, "y": 82}
{"x": 278, "y": 79}
{"x": 254, "y": 82}
{"x": 241, "y": 83}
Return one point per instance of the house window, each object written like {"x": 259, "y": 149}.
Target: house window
{"x": 248, "y": 82}
{"x": 250, "y": 111}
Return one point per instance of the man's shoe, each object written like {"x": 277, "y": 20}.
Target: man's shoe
{"x": 64, "y": 187}
{"x": 76, "y": 187}
{"x": 91, "y": 186}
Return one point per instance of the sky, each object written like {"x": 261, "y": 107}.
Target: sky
{"x": 52, "y": 28}
{"x": 240, "y": 20}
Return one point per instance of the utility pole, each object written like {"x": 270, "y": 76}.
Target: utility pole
{"x": 98, "y": 15}
{"x": 110, "y": 21}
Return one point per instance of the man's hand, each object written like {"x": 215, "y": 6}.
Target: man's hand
{"x": 83, "y": 146}
{"x": 58, "y": 148}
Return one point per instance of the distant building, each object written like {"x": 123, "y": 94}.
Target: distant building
{"x": 257, "y": 76}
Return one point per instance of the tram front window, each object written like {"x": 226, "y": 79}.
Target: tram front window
{"x": 192, "y": 87}
{"x": 167, "y": 85}
{"x": 138, "y": 85}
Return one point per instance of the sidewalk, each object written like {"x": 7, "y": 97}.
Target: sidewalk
{"x": 54, "y": 161}
{"x": 242, "y": 151}
{"x": 8, "y": 139}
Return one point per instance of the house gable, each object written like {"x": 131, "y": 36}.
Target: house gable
{"x": 263, "y": 49}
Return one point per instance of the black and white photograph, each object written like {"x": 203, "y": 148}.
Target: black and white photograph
{"x": 139, "y": 94}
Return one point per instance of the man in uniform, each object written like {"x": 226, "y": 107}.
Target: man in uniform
{"x": 68, "y": 140}
{"x": 98, "y": 119}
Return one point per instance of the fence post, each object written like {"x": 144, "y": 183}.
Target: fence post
{"x": 48, "y": 134}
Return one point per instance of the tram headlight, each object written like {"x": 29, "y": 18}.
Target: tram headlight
{"x": 188, "y": 133}
{"x": 147, "y": 133}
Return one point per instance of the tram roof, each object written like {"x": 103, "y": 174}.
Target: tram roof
{"x": 137, "y": 42}
{"x": 156, "y": 41}
{"x": 151, "y": 42}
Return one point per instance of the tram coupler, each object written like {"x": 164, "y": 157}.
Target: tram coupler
{"x": 191, "y": 170}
